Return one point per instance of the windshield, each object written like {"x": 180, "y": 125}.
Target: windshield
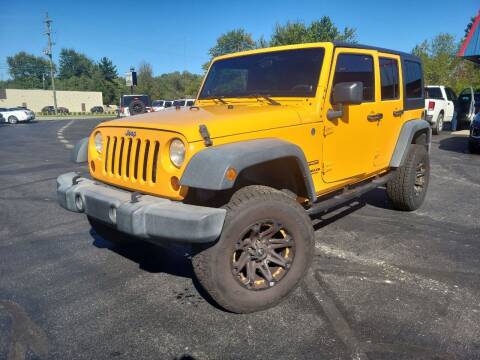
{"x": 290, "y": 73}
{"x": 433, "y": 93}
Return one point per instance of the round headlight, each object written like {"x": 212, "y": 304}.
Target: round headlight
{"x": 98, "y": 142}
{"x": 177, "y": 152}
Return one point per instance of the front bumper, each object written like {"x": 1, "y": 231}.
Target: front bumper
{"x": 147, "y": 217}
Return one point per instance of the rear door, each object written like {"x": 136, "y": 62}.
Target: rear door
{"x": 467, "y": 104}
{"x": 349, "y": 142}
{"x": 391, "y": 107}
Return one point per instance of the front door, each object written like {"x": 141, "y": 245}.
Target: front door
{"x": 466, "y": 103}
{"x": 349, "y": 142}
{"x": 390, "y": 106}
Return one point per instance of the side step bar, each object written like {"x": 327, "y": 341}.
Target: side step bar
{"x": 348, "y": 194}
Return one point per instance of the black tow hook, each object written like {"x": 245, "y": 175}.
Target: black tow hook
{"x": 76, "y": 178}
{"x": 134, "y": 197}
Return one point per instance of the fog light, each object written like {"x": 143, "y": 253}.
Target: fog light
{"x": 175, "y": 183}
{"x": 79, "y": 203}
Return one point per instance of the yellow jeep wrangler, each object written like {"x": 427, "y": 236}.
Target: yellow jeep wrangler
{"x": 276, "y": 135}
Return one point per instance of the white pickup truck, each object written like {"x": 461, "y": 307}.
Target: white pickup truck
{"x": 440, "y": 106}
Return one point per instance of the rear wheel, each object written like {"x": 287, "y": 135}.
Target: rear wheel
{"x": 265, "y": 248}
{"x": 12, "y": 119}
{"x": 408, "y": 187}
{"x": 437, "y": 129}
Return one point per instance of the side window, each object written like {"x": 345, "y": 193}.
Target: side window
{"x": 413, "y": 79}
{"x": 356, "y": 67}
{"x": 389, "y": 79}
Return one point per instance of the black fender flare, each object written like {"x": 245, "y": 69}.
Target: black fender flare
{"x": 405, "y": 138}
{"x": 80, "y": 151}
{"x": 207, "y": 168}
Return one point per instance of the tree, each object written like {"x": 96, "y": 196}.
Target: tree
{"x": 73, "y": 63}
{"x": 441, "y": 66}
{"x": 107, "y": 69}
{"x": 145, "y": 79}
{"x": 232, "y": 41}
{"x": 318, "y": 31}
{"x": 27, "y": 70}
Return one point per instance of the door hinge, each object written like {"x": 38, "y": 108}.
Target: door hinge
{"x": 326, "y": 167}
{"x": 327, "y": 130}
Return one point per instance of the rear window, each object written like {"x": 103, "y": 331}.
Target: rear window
{"x": 433, "y": 93}
{"x": 127, "y": 99}
{"x": 413, "y": 79}
{"x": 389, "y": 79}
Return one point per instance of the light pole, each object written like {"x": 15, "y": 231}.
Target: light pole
{"x": 48, "y": 52}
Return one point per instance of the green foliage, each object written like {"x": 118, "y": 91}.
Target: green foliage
{"x": 441, "y": 65}
{"x": 74, "y": 64}
{"x": 107, "y": 69}
{"x": 27, "y": 71}
{"x": 318, "y": 31}
{"x": 232, "y": 41}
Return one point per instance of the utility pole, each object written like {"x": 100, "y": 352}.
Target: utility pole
{"x": 48, "y": 52}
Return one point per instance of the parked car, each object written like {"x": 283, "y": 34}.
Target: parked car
{"x": 474, "y": 138}
{"x": 50, "y": 110}
{"x": 97, "y": 109}
{"x": 183, "y": 103}
{"x": 468, "y": 106}
{"x": 239, "y": 177}
{"x": 134, "y": 105}
{"x": 14, "y": 115}
{"x": 158, "y": 105}
{"x": 440, "y": 105}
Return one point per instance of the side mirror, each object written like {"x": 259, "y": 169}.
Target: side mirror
{"x": 345, "y": 93}
{"x": 348, "y": 93}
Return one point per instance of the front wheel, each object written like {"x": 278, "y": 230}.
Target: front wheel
{"x": 265, "y": 248}
{"x": 408, "y": 188}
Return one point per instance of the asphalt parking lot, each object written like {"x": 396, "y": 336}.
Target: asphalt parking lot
{"x": 384, "y": 284}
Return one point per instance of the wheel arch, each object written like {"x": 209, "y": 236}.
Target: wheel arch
{"x": 415, "y": 131}
{"x": 270, "y": 162}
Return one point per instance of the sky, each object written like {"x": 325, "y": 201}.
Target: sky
{"x": 176, "y": 35}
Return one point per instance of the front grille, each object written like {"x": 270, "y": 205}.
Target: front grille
{"x": 131, "y": 159}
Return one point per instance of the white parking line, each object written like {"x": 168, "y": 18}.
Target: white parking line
{"x": 61, "y": 138}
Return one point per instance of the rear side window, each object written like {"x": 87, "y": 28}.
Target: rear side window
{"x": 356, "y": 67}
{"x": 389, "y": 79}
{"x": 413, "y": 79}
{"x": 433, "y": 93}
{"x": 190, "y": 103}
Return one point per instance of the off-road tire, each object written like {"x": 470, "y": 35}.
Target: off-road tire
{"x": 437, "y": 129}
{"x": 249, "y": 205}
{"x": 401, "y": 188}
{"x": 12, "y": 119}
{"x": 108, "y": 233}
{"x": 137, "y": 107}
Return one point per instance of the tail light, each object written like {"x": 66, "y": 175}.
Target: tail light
{"x": 431, "y": 105}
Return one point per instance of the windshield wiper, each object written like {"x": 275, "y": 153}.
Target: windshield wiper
{"x": 219, "y": 98}
{"x": 264, "y": 96}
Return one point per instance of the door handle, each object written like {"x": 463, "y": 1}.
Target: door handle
{"x": 398, "y": 113}
{"x": 375, "y": 117}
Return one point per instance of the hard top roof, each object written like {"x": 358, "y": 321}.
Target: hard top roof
{"x": 368, "y": 47}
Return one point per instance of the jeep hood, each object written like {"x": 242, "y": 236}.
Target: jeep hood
{"x": 219, "y": 120}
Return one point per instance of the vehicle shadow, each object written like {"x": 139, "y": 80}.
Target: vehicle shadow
{"x": 457, "y": 144}
{"x": 151, "y": 258}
